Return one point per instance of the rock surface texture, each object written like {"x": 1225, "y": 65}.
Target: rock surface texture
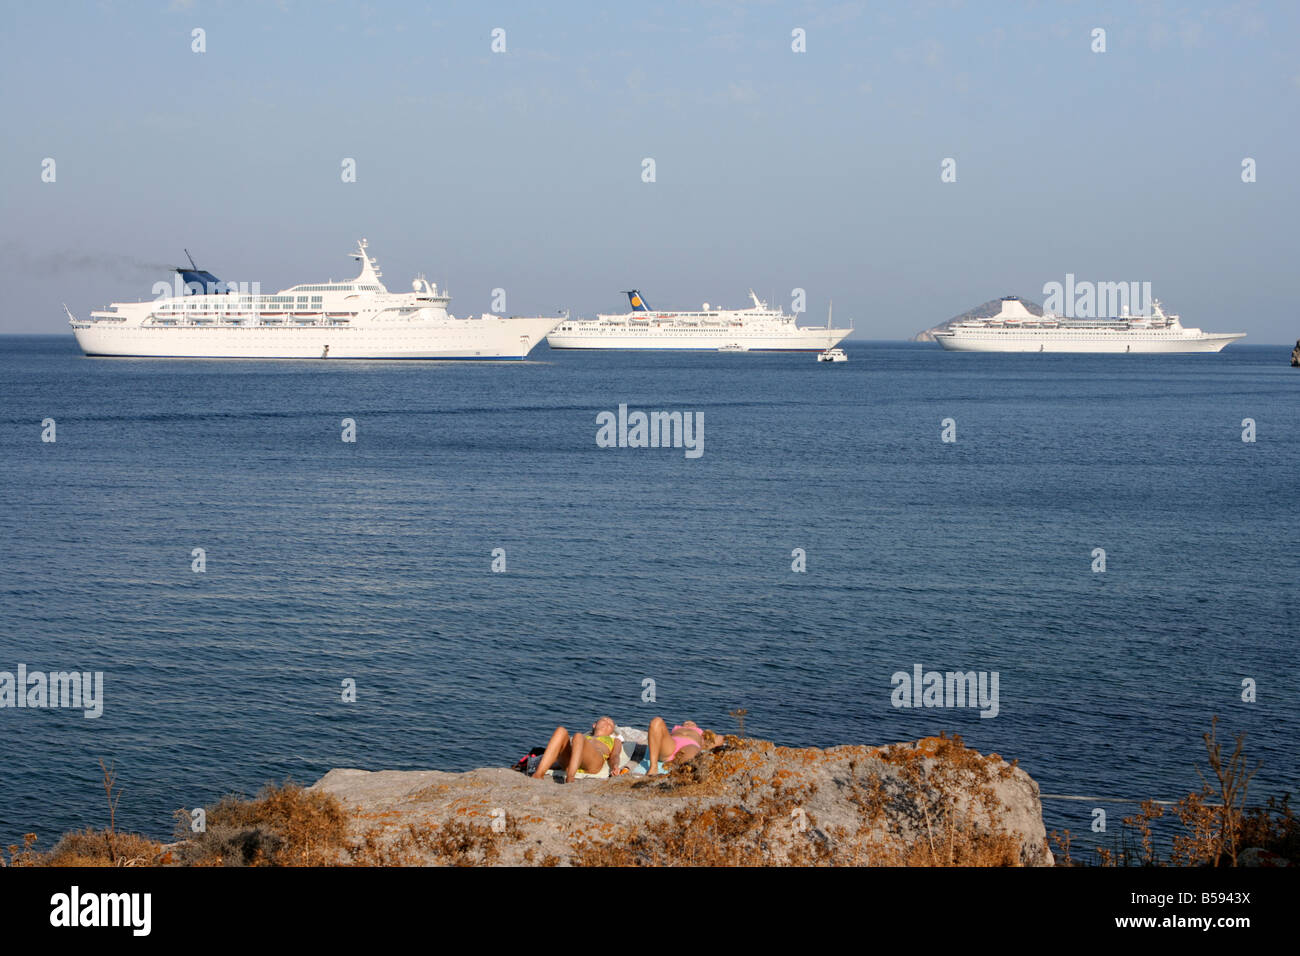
{"x": 932, "y": 802}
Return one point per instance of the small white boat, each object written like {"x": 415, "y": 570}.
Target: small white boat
{"x": 832, "y": 354}
{"x": 733, "y": 347}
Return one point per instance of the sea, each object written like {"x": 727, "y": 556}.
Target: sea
{"x": 266, "y": 600}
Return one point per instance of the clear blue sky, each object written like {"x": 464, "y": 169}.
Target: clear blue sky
{"x": 775, "y": 169}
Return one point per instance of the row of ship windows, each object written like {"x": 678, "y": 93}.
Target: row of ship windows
{"x": 258, "y": 318}
{"x": 336, "y": 288}
{"x": 240, "y": 322}
{"x": 242, "y": 305}
{"x": 1074, "y": 332}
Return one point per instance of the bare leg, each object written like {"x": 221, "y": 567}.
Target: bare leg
{"x": 576, "y": 748}
{"x": 658, "y": 743}
{"x": 556, "y": 749}
{"x": 583, "y": 755}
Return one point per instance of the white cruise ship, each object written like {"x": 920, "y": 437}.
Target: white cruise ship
{"x": 357, "y": 319}
{"x": 1016, "y": 329}
{"x": 756, "y": 329}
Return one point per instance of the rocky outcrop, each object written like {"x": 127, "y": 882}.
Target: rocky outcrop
{"x": 1295, "y": 355}
{"x": 933, "y": 802}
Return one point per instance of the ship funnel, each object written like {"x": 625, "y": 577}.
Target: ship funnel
{"x": 198, "y": 281}
{"x": 1013, "y": 308}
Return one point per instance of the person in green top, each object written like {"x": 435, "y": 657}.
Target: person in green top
{"x": 587, "y": 752}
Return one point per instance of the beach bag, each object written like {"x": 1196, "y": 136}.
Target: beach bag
{"x": 527, "y": 764}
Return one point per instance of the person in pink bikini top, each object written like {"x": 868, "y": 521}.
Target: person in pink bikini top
{"x": 680, "y": 744}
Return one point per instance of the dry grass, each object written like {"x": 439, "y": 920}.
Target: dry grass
{"x": 91, "y": 847}
{"x": 1062, "y": 841}
{"x": 1215, "y": 832}
{"x": 1216, "y": 823}
{"x": 284, "y": 825}
{"x": 718, "y": 835}
{"x": 944, "y": 793}
{"x": 943, "y": 810}
{"x": 454, "y": 843}
{"x": 1272, "y": 827}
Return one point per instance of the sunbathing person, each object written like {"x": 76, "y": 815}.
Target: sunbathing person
{"x": 680, "y": 744}
{"x": 582, "y": 751}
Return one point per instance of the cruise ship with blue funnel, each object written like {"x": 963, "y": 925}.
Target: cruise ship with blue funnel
{"x": 351, "y": 319}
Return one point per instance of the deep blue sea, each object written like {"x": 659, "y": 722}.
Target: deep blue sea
{"x": 370, "y": 561}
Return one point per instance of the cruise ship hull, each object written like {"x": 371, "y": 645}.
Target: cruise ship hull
{"x": 496, "y": 338}
{"x": 806, "y": 340}
{"x": 1098, "y": 342}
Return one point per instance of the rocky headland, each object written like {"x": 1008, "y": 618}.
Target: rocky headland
{"x": 931, "y": 802}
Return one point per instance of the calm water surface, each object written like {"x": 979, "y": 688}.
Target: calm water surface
{"x": 370, "y": 561}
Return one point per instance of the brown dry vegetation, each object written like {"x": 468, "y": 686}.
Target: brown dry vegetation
{"x": 720, "y": 835}
{"x": 284, "y": 825}
{"x": 454, "y": 843}
{"x": 90, "y": 847}
{"x": 945, "y": 794}
{"x": 1215, "y": 822}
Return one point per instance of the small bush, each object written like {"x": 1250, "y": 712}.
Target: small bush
{"x": 284, "y": 825}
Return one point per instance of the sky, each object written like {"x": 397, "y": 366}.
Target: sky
{"x": 524, "y": 170}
